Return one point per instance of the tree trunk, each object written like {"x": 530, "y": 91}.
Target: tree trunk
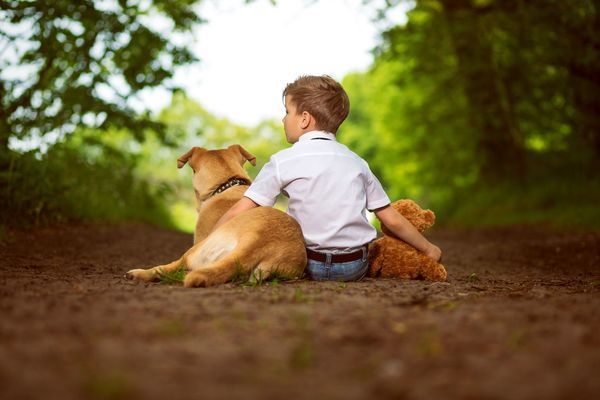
{"x": 4, "y": 131}
{"x": 500, "y": 151}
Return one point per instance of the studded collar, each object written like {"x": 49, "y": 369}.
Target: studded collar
{"x": 235, "y": 181}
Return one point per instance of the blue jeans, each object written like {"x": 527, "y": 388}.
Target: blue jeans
{"x": 346, "y": 271}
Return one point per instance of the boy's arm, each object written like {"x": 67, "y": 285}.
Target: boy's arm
{"x": 262, "y": 192}
{"x": 242, "y": 205}
{"x": 406, "y": 231}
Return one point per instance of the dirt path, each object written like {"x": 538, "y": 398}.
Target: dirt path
{"x": 518, "y": 319}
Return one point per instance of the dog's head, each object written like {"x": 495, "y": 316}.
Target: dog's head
{"x": 214, "y": 167}
{"x": 421, "y": 219}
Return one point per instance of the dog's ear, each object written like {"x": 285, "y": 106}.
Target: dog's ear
{"x": 244, "y": 154}
{"x": 181, "y": 161}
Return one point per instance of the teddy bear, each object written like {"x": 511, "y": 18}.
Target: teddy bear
{"x": 392, "y": 258}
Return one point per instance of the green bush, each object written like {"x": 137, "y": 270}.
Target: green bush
{"x": 563, "y": 193}
{"x": 93, "y": 181}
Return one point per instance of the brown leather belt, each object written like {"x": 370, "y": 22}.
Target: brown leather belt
{"x": 336, "y": 258}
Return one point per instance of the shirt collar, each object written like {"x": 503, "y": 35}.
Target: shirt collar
{"x": 316, "y": 134}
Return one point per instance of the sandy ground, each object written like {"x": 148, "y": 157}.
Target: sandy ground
{"x": 519, "y": 318}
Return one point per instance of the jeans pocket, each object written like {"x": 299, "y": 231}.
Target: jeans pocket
{"x": 362, "y": 272}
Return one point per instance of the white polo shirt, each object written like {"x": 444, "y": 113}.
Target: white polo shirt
{"x": 329, "y": 189}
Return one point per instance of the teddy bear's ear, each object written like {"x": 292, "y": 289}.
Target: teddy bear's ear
{"x": 403, "y": 206}
{"x": 409, "y": 210}
{"x": 429, "y": 218}
{"x": 423, "y": 219}
{"x": 407, "y": 207}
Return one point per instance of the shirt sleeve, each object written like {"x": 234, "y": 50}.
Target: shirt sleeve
{"x": 267, "y": 185}
{"x": 376, "y": 196}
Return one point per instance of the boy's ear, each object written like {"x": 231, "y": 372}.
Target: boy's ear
{"x": 182, "y": 160}
{"x": 243, "y": 154}
{"x": 305, "y": 121}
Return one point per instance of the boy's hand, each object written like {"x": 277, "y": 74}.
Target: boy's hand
{"x": 434, "y": 252}
{"x": 242, "y": 205}
{"x": 404, "y": 230}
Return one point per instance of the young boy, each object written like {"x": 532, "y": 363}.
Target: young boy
{"x": 329, "y": 187}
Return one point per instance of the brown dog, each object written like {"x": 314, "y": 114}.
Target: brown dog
{"x": 258, "y": 243}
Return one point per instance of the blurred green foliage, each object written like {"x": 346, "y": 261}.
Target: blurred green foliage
{"x": 109, "y": 175}
{"x": 189, "y": 124}
{"x": 69, "y": 64}
{"x": 83, "y": 178}
{"x": 68, "y": 70}
{"x": 69, "y": 73}
{"x": 486, "y": 111}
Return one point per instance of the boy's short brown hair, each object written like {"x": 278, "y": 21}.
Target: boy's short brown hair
{"x": 323, "y": 97}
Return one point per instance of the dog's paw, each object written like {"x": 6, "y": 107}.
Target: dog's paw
{"x": 145, "y": 275}
{"x": 195, "y": 279}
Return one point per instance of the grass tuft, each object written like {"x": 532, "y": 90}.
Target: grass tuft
{"x": 277, "y": 276}
{"x": 517, "y": 339}
{"x": 108, "y": 386}
{"x": 299, "y": 296}
{"x": 303, "y": 355}
{"x": 257, "y": 278}
{"x": 172, "y": 278}
{"x": 430, "y": 344}
{"x": 171, "y": 328}
{"x": 240, "y": 276}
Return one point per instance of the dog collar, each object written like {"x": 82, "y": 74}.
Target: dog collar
{"x": 230, "y": 183}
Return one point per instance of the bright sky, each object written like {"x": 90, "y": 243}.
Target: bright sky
{"x": 250, "y": 52}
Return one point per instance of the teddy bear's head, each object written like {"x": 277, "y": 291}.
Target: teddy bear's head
{"x": 421, "y": 219}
